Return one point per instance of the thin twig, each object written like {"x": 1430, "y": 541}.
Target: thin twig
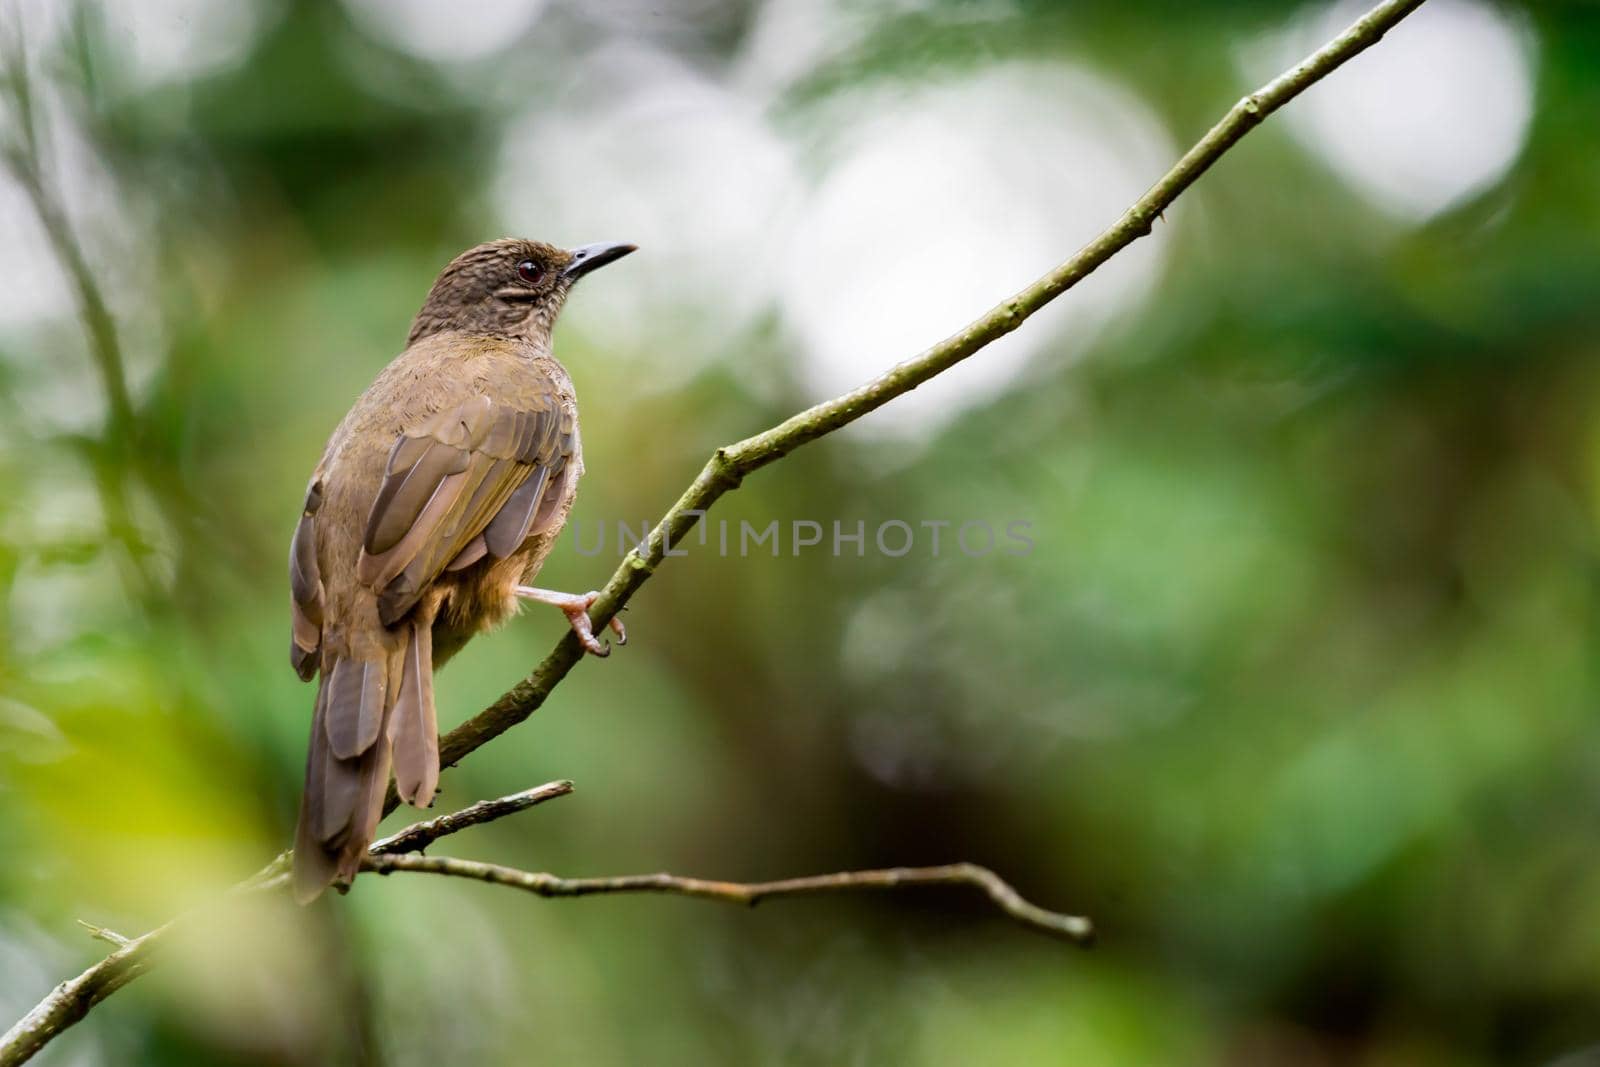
{"x": 101, "y": 933}
{"x": 1074, "y": 928}
{"x": 419, "y": 836}
{"x": 728, "y": 466}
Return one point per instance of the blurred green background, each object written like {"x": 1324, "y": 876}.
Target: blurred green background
{"x": 1295, "y": 694}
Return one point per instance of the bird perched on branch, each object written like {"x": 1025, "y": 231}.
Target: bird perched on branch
{"x": 434, "y": 506}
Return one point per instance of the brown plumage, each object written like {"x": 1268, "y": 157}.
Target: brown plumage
{"x": 437, "y": 498}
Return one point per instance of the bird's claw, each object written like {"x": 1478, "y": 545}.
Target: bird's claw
{"x": 578, "y": 618}
{"x": 575, "y": 606}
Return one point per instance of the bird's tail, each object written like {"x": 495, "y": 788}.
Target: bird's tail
{"x": 367, "y": 713}
{"x": 413, "y": 726}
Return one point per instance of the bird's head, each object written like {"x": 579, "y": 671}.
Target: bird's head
{"x": 508, "y": 288}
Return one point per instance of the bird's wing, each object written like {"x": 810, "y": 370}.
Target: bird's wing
{"x": 305, "y": 586}
{"x": 464, "y": 484}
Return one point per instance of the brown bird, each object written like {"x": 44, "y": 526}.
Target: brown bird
{"x": 435, "y": 504}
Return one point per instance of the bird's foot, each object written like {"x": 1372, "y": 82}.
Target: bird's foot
{"x": 576, "y": 608}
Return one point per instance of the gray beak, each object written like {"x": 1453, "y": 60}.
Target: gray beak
{"x": 593, "y": 257}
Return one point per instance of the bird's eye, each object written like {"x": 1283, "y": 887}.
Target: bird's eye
{"x": 530, "y": 272}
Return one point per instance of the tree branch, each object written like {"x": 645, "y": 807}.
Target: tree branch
{"x": 419, "y": 836}
{"x": 101, "y": 933}
{"x": 24, "y": 157}
{"x": 71, "y": 1000}
{"x": 730, "y": 465}
{"x": 1074, "y": 928}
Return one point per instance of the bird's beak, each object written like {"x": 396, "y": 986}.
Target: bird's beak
{"x": 593, "y": 257}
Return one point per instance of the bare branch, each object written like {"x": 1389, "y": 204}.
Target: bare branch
{"x": 25, "y": 160}
{"x": 101, "y": 933}
{"x": 71, "y": 1000}
{"x": 419, "y": 836}
{"x": 728, "y": 467}
{"x": 24, "y": 157}
{"x": 1074, "y": 928}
